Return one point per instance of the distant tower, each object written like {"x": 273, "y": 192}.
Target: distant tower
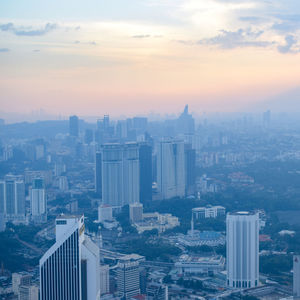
{"x": 242, "y": 232}
{"x": 69, "y": 270}
{"x": 192, "y": 224}
{"x": 38, "y": 203}
{"x": 296, "y": 276}
{"x": 145, "y": 157}
{"x": 171, "y": 169}
{"x": 74, "y": 126}
{"x": 98, "y": 174}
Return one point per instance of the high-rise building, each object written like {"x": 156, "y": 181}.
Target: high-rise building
{"x": 171, "y": 169}
{"x": 69, "y": 270}
{"x": 74, "y": 126}
{"x": 120, "y": 174}
{"x": 242, "y": 233}
{"x": 12, "y": 198}
{"x": 38, "y": 204}
{"x": 145, "y": 157}
{"x": 105, "y": 213}
{"x": 88, "y": 136}
{"x": 30, "y": 292}
{"x": 128, "y": 277}
{"x": 296, "y": 276}
{"x": 136, "y": 212}
{"x": 20, "y": 279}
{"x": 98, "y": 174}
{"x": 104, "y": 279}
{"x": 190, "y": 169}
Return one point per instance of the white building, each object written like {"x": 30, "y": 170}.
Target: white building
{"x": 120, "y": 174}
{"x": 30, "y": 292}
{"x": 38, "y": 203}
{"x": 208, "y": 212}
{"x": 296, "y": 277}
{"x": 105, "y": 213}
{"x": 242, "y": 229}
{"x": 69, "y": 270}
{"x": 104, "y": 279}
{"x": 171, "y": 169}
{"x": 20, "y": 279}
{"x": 136, "y": 212}
{"x": 63, "y": 184}
{"x": 12, "y": 198}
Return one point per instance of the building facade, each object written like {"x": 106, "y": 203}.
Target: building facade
{"x": 242, "y": 230}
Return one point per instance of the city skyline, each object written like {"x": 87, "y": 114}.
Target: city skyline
{"x": 126, "y": 57}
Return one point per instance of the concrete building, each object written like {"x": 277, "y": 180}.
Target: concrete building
{"x": 104, "y": 279}
{"x": 128, "y": 277}
{"x": 98, "y": 174}
{"x": 136, "y": 212}
{"x": 30, "y": 292}
{"x": 105, "y": 213}
{"x": 145, "y": 157}
{"x": 20, "y": 279}
{"x": 12, "y": 198}
{"x": 296, "y": 276}
{"x": 171, "y": 169}
{"x": 242, "y": 229}
{"x": 38, "y": 204}
{"x": 69, "y": 270}
{"x": 157, "y": 291}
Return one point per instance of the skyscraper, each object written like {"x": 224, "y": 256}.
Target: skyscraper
{"x": 242, "y": 229}
{"x": 98, "y": 174}
{"x": 74, "y": 126}
{"x": 38, "y": 203}
{"x": 190, "y": 169}
{"x": 145, "y": 157}
{"x": 128, "y": 277}
{"x": 120, "y": 174}
{"x": 186, "y": 123}
{"x": 296, "y": 276}
{"x": 69, "y": 270}
{"x": 171, "y": 169}
{"x": 12, "y": 198}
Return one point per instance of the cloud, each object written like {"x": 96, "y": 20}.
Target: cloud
{"x": 287, "y": 23}
{"x": 28, "y": 31}
{"x": 141, "y": 36}
{"x": 4, "y": 50}
{"x": 290, "y": 42}
{"x": 236, "y": 39}
{"x": 93, "y": 43}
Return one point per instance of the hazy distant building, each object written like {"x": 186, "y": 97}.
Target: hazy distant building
{"x": 145, "y": 157}
{"x": 186, "y": 123}
{"x": 12, "y": 198}
{"x": 136, "y": 212}
{"x": 242, "y": 233}
{"x": 190, "y": 169}
{"x": 28, "y": 292}
{"x": 157, "y": 291}
{"x": 38, "y": 204}
{"x": 296, "y": 276}
{"x": 208, "y": 212}
{"x": 98, "y": 174}
{"x": 88, "y": 136}
{"x": 120, "y": 174}
{"x": 128, "y": 277}
{"x": 69, "y": 270}
{"x": 2, "y": 222}
{"x": 63, "y": 183}
{"x": 20, "y": 279}
{"x": 171, "y": 169}
{"x": 74, "y": 126}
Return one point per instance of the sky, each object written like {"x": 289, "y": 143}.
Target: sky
{"x": 132, "y": 57}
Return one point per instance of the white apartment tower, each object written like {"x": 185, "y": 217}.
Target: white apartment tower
{"x": 242, "y": 230}
{"x": 38, "y": 204}
{"x": 69, "y": 270}
{"x": 171, "y": 169}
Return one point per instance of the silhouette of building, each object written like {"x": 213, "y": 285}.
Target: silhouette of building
{"x": 98, "y": 174}
{"x": 190, "y": 169}
{"x": 74, "y": 126}
{"x": 242, "y": 233}
{"x": 185, "y": 122}
{"x": 38, "y": 204}
{"x": 296, "y": 276}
